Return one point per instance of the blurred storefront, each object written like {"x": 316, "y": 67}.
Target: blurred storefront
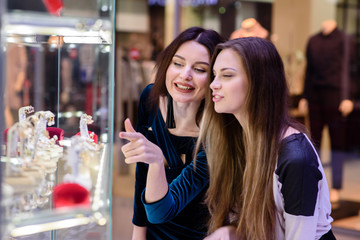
{"x": 144, "y": 27}
{"x": 97, "y": 56}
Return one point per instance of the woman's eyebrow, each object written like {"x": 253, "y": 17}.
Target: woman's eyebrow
{"x": 206, "y": 63}
{"x": 198, "y": 62}
{"x": 179, "y": 56}
{"x": 228, "y": 68}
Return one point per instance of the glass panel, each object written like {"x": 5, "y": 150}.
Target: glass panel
{"x": 34, "y": 65}
{"x": 84, "y": 85}
{"x": 57, "y": 79}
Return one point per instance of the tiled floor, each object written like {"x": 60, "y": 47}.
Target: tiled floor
{"x": 344, "y": 229}
{"x": 122, "y": 201}
{"x": 348, "y": 228}
{"x": 122, "y": 213}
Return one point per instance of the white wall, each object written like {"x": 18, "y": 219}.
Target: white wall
{"x": 132, "y": 16}
{"x": 321, "y": 10}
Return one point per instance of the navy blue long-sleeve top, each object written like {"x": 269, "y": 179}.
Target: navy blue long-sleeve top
{"x": 181, "y": 214}
{"x": 326, "y": 60}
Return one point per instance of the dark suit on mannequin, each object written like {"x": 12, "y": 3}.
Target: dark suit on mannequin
{"x": 327, "y": 91}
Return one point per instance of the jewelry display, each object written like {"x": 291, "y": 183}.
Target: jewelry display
{"x": 82, "y": 150}
{"x": 21, "y": 184}
{"x": 81, "y": 155}
{"x": 31, "y": 161}
{"x": 90, "y": 159}
{"x": 84, "y": 121}
{"x": 47, "y": 151}
{"x": 31, "y": 180}
{"x": 23, "y": 111}
{"x": 43, "y": 59}
{"x": 46, "y": 154}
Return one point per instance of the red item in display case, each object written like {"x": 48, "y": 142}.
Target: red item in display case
{"x": 92, "y": 135}
{"x": 54, "y": 7}
{"x": 70, "y": 195}
{"x": 56, "y": 131}
{"x": 5, "y": 136}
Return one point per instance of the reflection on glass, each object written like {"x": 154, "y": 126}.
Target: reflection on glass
{"x": 16, "y": 69}
{"x": 79, "y": 8}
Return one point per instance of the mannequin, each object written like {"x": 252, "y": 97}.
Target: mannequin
{"x": 328, "y": 26}
{"x": 16, "y": 66}
{"x": 250, "y": 27}
{"x": 327, "y": 93}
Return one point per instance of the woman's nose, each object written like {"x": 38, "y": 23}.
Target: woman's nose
{"x": 186, "y": 74}
{"x": 215, "y": 84}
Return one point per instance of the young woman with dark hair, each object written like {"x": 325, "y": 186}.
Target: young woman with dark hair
{"x": 169, "y": 191}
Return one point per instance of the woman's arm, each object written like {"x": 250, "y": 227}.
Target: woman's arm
{"x": 161, "y": 203}
{"x": 139, "y": 233}
{"x": 156, "y": 183}
{"x": 182, "y": 190}
{"x": 301, "y": 191}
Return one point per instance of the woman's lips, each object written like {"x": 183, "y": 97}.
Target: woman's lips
{"x": 184, "y": 87}
{"x": 217, "y": 98}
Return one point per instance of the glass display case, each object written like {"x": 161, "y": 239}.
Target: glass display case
{"x": 56, "y": 118}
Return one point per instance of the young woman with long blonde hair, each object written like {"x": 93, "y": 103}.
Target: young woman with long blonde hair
{"x": 266, "y": 179}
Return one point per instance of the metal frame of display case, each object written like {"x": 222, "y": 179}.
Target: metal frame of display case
{"x": 77, "y": 30}
{"x": 2, "y": 122}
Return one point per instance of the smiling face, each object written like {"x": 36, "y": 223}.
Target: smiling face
{"x": 230, "y": 84}
{"x": 186, "y": 76}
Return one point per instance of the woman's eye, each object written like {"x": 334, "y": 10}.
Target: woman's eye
{"x": 177, "y": 64}
{"x": 200, "y": 70}
{"x": 227, "y": 75}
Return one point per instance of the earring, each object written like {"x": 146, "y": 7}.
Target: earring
{"x": 170, "y": 121}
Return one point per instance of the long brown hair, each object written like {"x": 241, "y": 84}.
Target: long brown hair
{"x": 242, "y": 159}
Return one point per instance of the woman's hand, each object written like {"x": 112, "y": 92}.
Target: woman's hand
{"x": 346, "y": 107}
{"x": 223, "y": 233}
{"x": 139, "y": 149}
{"x": 303, "y": 106}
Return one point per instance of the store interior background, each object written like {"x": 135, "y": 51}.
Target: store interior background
{"x": 144, "y": 27}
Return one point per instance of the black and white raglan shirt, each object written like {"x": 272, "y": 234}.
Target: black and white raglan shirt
{"x": 300, "y": 191}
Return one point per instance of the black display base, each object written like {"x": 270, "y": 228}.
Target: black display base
{"x": 345, "y": 209}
